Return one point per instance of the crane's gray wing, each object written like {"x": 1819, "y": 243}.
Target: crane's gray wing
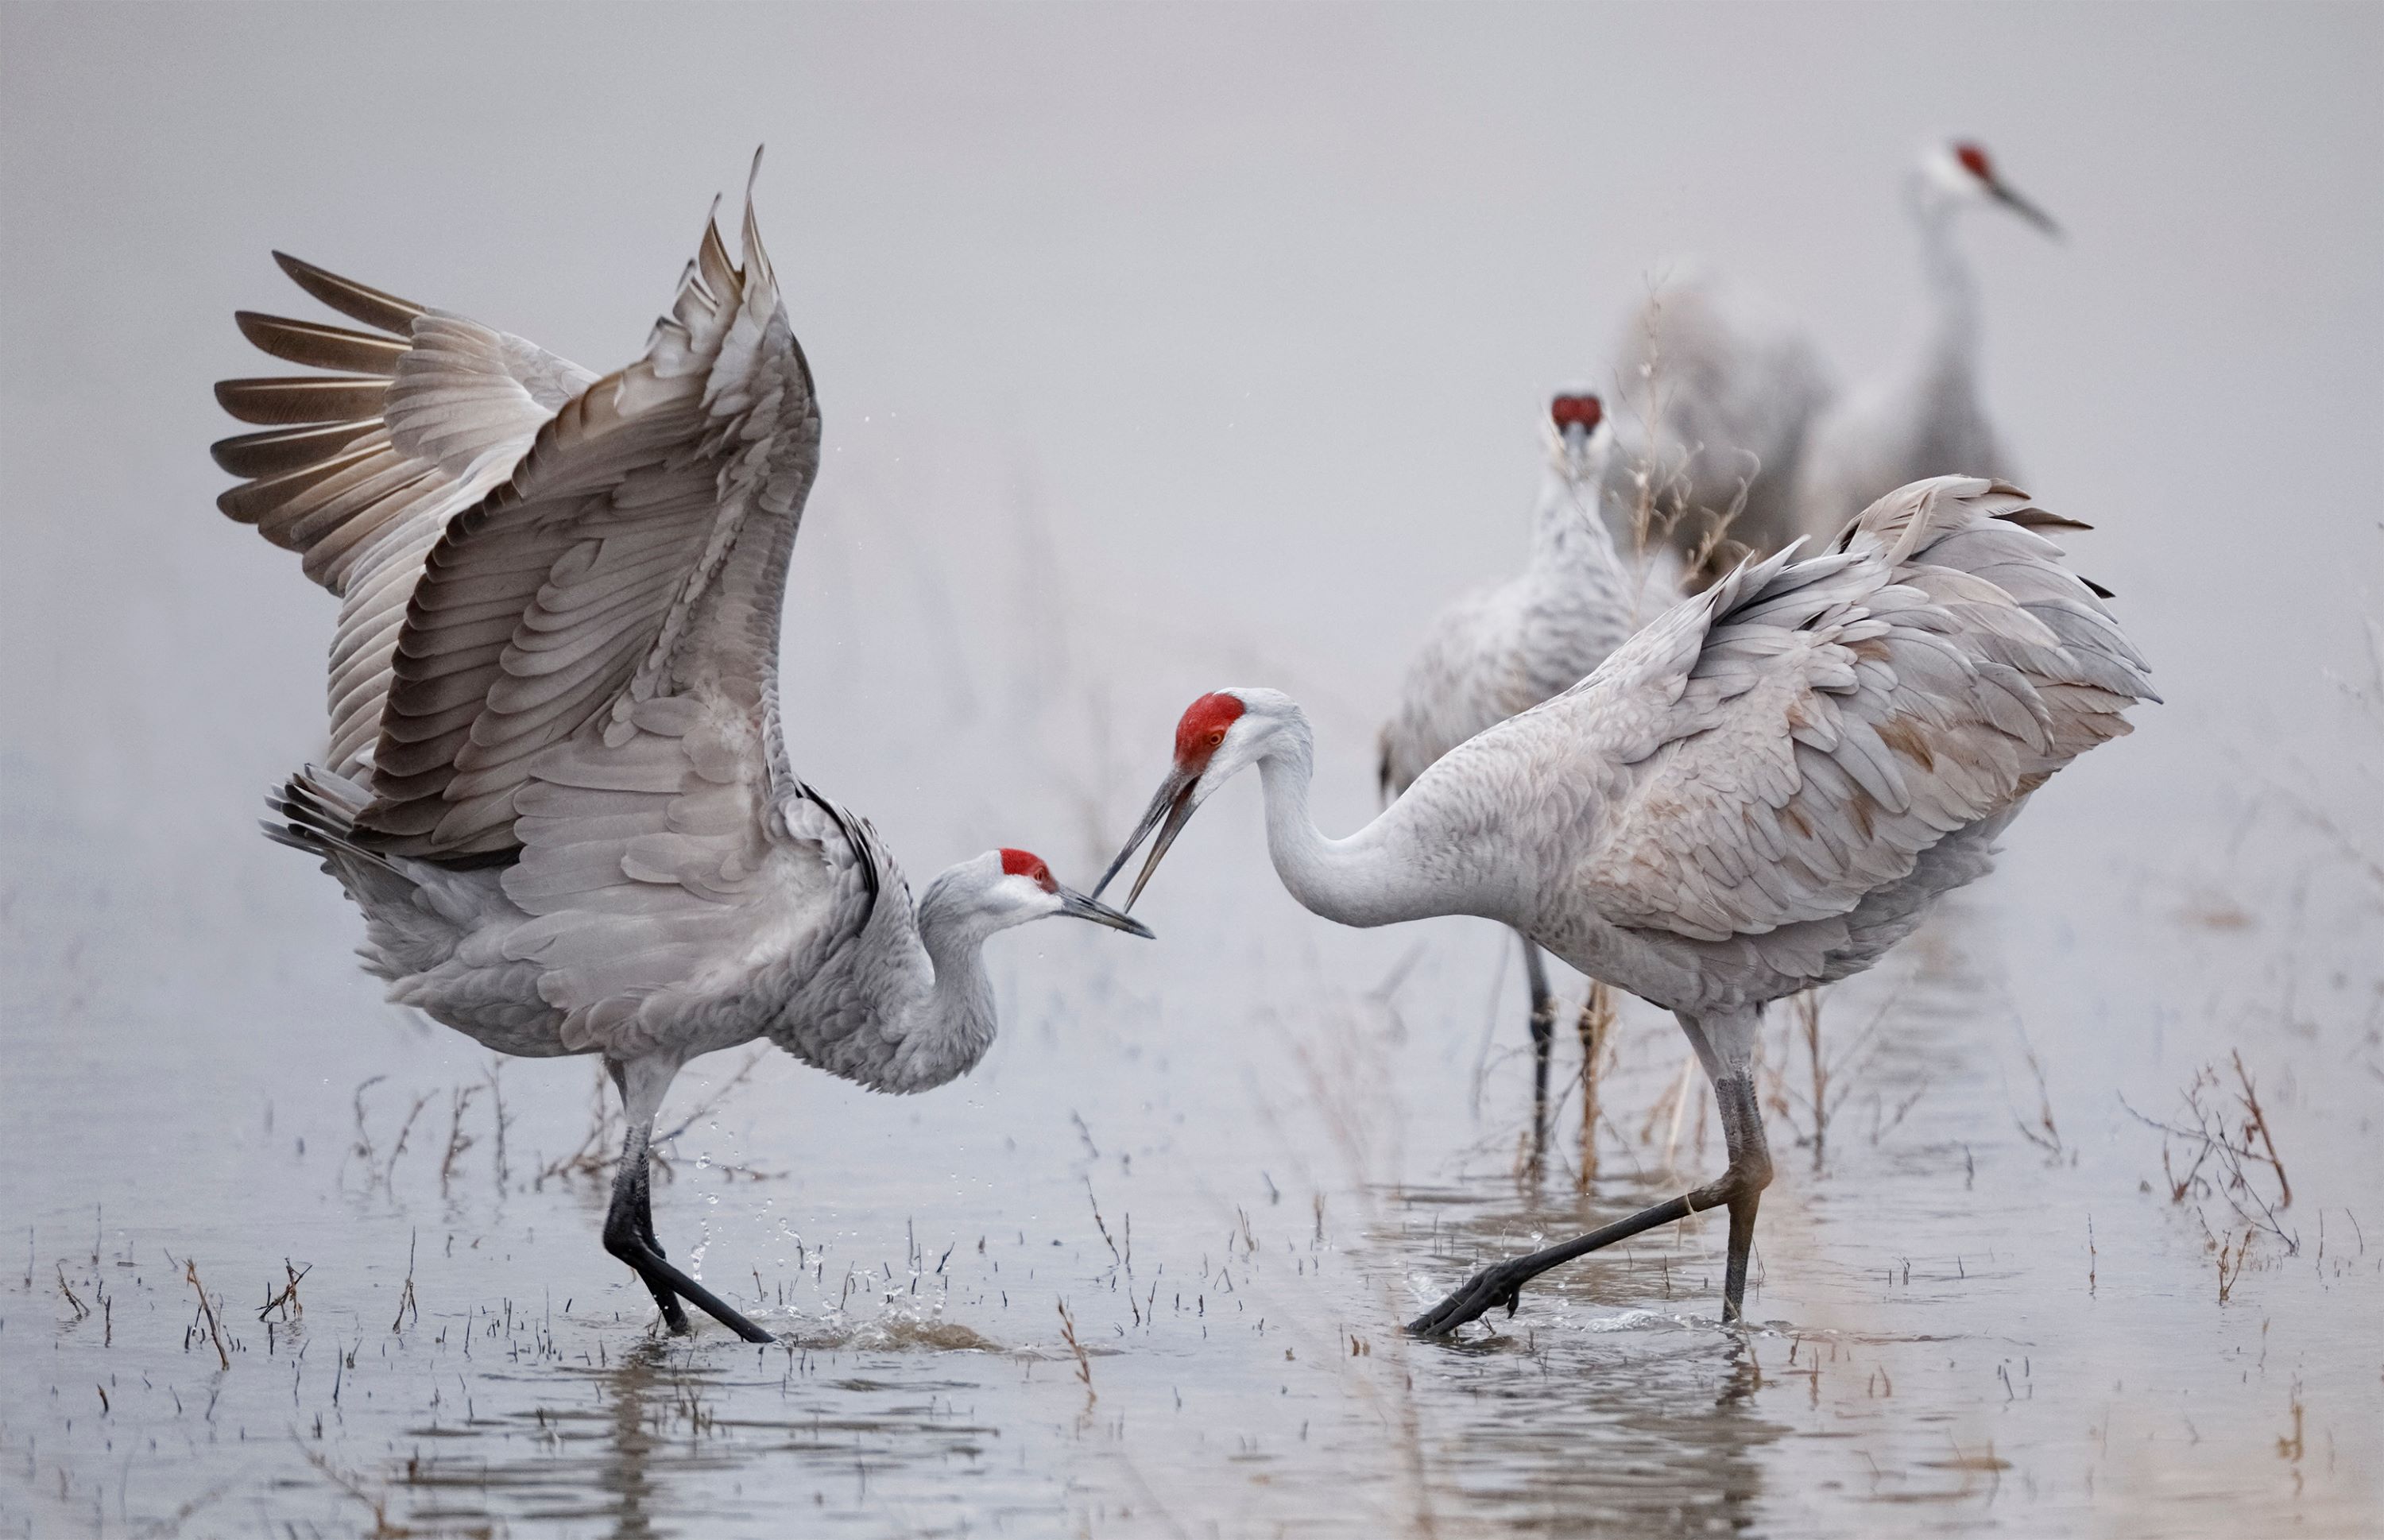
{"x": 1715, "y": 397}
{"x": 637, "y": 550}
{"x": 361, "y": 467}
{"x": 1787, "y": 743}
{"x": 587, "y": 676}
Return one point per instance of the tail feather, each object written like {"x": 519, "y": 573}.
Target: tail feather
{"x": 315, "y": 812}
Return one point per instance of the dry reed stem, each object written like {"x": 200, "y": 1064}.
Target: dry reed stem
{"x": 2225, "y": 1153}
{"x": 81, "y": 1310}
{"x": 405, "y": 1299}
{"x": 207, "y": 1308}
{"x": 2046, "y": 1134}
{"x": 459, "y": 1102}
{"x": 1084, "y": 1359}
{"x": 287, "y": 1300}
{"x": 2256, "y": 1122}
{"x": 2230, "y": 1271}
{"x": 389, "y": 1173}
{"x": 1595, "y": 1026}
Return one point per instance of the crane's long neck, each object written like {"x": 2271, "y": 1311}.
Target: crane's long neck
{"x": 933, "y": 1004}
{"x": 1951, "y": 343}
{"x": 1366, "y": 879}
{"x": 1569, "y": 539}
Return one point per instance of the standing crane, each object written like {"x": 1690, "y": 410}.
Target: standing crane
{"x": 1763, "y": 789}
{"x": 1726, "y": 406}
{"x": 1505, "y": 649}
{"x": 1715, "y": 393}
{"x": 1924, "y": 415}
{"x": 557, "y": 782}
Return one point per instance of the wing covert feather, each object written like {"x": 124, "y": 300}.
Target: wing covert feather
{"x": 655, "y": 498}
{"x": 1791, "y": 741}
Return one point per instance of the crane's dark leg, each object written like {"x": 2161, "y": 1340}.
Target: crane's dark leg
{"x": 1739, "y": 1190}
{"x": 629, "y": 1224}
{"x": 628, "y": 1229}
{"x": 1543, "y": 1041}
{"x": 1750, "y": 1162}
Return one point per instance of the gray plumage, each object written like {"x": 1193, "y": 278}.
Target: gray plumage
{"x": 557, "y": 783}
{"x": 1715, "y": 396}
{"x": 1510, "y": 646}
{"x": 1926, "y": 415}
{"x": 1722, "y": 398}
{"x": 1506, "y": 647}
{"x": 1763, "y": 789}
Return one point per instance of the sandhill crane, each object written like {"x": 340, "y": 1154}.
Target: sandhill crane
{"x": 1500, "y": 650}
{"x": 1922, "y": 416}
{"x": 1763, "y": 789}
{"x": 556, "y": 782}
{"x": 1716, "y": 393}
{"x": 1720, "y": 396}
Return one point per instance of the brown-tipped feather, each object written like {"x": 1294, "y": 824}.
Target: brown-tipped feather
{"x": 279, "y": 450}
{"x": 324, "y": 347}
{"x": 350, "y": 298}
{"x": 2037, "y": 518}
{"x": 333, "y": 398}
{"x": 253, "y": 499}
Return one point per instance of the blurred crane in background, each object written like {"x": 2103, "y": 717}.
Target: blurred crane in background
{"x": 1506, "y": 648}
{"x": 1715, "y": 395}
{"x": 1923, "y": 416}
{"x": 1733, "y": 436}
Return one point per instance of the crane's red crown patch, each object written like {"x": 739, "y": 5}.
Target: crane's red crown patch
{"x": 1567, "y": 410}
{"x": 1974, "y": 160}
{"x": 1027, "y": 864}
{"x": 1203, "y": 728}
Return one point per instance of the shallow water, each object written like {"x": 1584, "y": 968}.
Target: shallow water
{"x": 1237, "y": 1180}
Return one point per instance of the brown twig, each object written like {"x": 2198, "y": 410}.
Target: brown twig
{"x": 207, "y": 1308}
{"x": 2256, "y": 1122}
{"x": 405, "y": 1301}
{"x": 389, "y": 1173}
{"x": 2230, "y": 1271}
{"x": 1595, "y": 1027}
{"x": 2226, "y": 1153}
{"x": 459, "y": 1102}
{"x": 1084, "y": 1359}
{"x": 287, "y": 1300}
{"x": 501, "y": 1118}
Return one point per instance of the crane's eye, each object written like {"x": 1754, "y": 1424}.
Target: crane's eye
{"x": 1216, "y": 736}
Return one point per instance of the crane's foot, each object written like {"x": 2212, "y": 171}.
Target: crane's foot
{"x": 1486, "y": 1291}
{"x": 669, "y": 1286}
{"x": 629, "y": 1228}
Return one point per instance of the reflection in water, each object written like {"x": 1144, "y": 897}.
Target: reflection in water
{"x": 1658, "y": 1431}
{"x": 642, "y": 1455}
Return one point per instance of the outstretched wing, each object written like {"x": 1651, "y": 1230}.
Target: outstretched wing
{"x": 361, "y": 467}
{"x": 1789, "y": 742}
{"x": 637, "y": 549}
{"x": 587, "y": 676}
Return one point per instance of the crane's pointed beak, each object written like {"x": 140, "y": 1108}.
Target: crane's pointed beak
{"x": 2025, "y": 209}
{"x": 1075, "y": 906}
{"x": 1168, "y": 812}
